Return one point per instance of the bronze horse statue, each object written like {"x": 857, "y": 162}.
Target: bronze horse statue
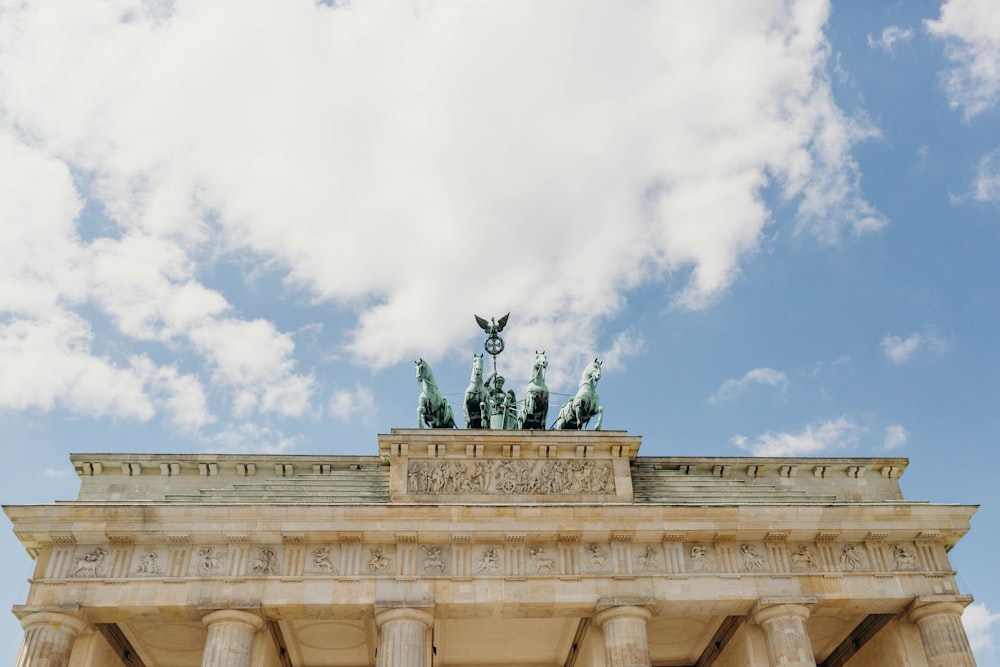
{"x": 577, "y": 412}
{"x": 536, "y": 396}
{"x": 433, "y": 409}
{"x": 475, "y": 407}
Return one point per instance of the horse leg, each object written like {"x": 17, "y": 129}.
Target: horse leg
{"x": 600, "y": 417}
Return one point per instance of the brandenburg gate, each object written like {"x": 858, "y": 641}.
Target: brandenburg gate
{"x": 491, "y": 547}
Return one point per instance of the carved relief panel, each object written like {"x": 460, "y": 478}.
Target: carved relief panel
{"x": 510, "y": 477}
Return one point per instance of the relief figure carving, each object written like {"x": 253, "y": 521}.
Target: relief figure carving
{"x": 208, "y": 562}
{"x": 598, "y": 557}
{"x": 651, "y": 559}
{"x": 904, "y": 557}
{"x": 89, "y": 564}
{"x": 750, "y": 558}
{"x": 700, "y": 562}
{"x": 489, "y": 562}
{"x": 321, "y": 560}
{"x": 851, "y": 559}
{"x": 540, "y": 561}
{"x": 379, "y": 564}
{"x": 432, "y": 560}
{"x": 149, "y": 564}
{"x": 803, "y": 559}
{"x": 266, "y": 562}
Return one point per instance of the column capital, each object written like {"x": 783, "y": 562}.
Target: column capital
{"x": 422, "y": 615}
{"x": 75, "y": 623}
{"x": 931, "y": 605}
{"x": 766, "y": 609}
{"x": 606, "y": 614}
{"x": 233, "y": 616}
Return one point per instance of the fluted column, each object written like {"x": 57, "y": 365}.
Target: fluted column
{"x": 785, "y": 634}
{"x": 230, "y": 638}
{"x": 625, "y": 643}
{"x": 939, "y": 619}
{"x": 405, "y": 638}
{"x": 48, "y": 639}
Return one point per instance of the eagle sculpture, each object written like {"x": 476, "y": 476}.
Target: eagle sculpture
{"x": 492, "y": 328}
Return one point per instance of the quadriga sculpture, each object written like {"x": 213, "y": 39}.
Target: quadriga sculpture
{"x": 433, "y": 409}
{"x": 536, "y": 396}
{"x": 576, "y": 413}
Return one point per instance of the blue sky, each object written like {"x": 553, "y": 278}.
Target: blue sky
{"x": 232, "y": 226}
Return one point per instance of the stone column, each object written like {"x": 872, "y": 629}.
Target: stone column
{"x": 939, "y": 619}
{"x": 784, "y": 625}
{"x": 48, "y": 639}
{"x": 405, "y": 638}
{"x": 230, "y": 638}
{"x": 625, "y": 643}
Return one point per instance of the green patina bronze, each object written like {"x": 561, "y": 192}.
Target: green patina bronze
{"x": 536, "y": 397}
{"x": 576, "y": 413}
{"x": 475, "y": 407}
{"x": 433, "y": 410}
{"x": 487, "y": 404}
{"x": 503, "y": 404}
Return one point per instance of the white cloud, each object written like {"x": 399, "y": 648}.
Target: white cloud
{"x": 181, "y": 396}
{"x": 890, "y": 36}
{"x": 895, "y": 437}
{"x": 624, "y": 345}
{"x": 971, "y": 34}
{"x": 256, "y": 362}
{"x": 251, "y": 437}
{"x": 816, "y": 439}
{"x": 987, "y": 184}
{"x": 344, "y": 405}
{"x": 735, "y": 386}
{"x": 979, "y": 622}
{"x": 382, "y": 157}
{"x": 49, "y": 364}
{"x": 901, "y": 350}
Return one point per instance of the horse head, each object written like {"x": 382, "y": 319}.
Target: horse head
{"x": 592, "y": 373}
{"x": 423, "y": 371}
{"x": 541, "y": 361}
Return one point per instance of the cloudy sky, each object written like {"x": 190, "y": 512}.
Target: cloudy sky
{"x": 232, "y": 225}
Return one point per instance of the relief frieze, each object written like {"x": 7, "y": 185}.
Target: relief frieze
{"x": 359, "y": 559}
{"x": 505, "y": 477}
